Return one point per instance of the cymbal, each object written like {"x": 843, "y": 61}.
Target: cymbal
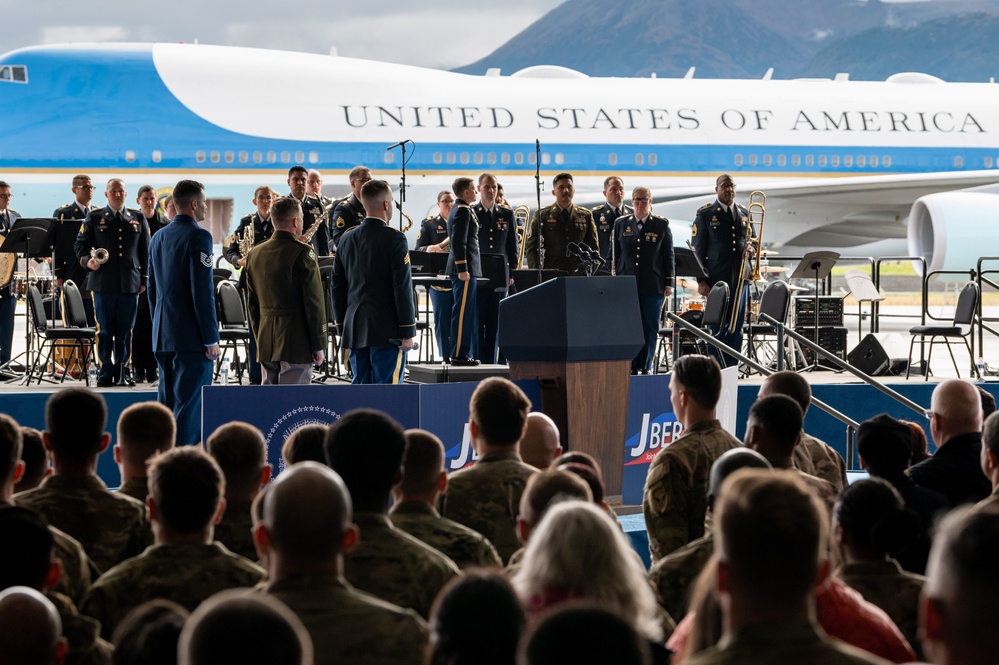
{"x": 773, "y": 269}
{"x": 792, "y": 287}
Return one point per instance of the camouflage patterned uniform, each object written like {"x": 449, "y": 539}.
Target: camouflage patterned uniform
{"x": 782, "y": 643}
{"x": 823, "y": 489}
{"x": 396, "y": 567}
{"x": 826, "y": 462}
{"x": 137, "y": 488}
{"x": 350, "y": 626}
{"x": 82, "y": 633}
{"x": 886, "y": 585}
{"x": 75, "y": 576}
{"x": 111, "y": 527}
{"x": 674, "y": 574}
{"x": 185, "y": 574}
{"x": 465, "y": 547}
{"x": 675, "y": 498}
{"x": 235, "y": 531}
{"x": 486, "y": 498}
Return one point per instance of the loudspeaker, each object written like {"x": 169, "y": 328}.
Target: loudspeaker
{"x": 880, "y": 354}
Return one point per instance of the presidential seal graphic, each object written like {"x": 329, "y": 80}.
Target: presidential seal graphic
{"x": 284, "y": 426}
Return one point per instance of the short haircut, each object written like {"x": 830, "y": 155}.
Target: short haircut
{"x": 305, "y": 444}
{"x": 4, "y": 185}
{"x": 283, "y": 210}
{"x": 366, "y": 448}
{"x": 148, "y": 635}
{"x": 483, "y": 176}
{"x": 728, "y": 463}
{"x": 582, "y": 633}
{"x": 35, "y": 458}
{"x": 357, "y": 172}
{"x": 990, "y": 434}
{"x": 144, "y": 189}
{"x": 789, "y": 383}
{"x": 561, "y": 176}
{"x": 722, "y": 177}
{"x": 144, "y": 429}
{"x": 577, "y": 457}
{"x": 306, "y": 510}
{"x": 10, "y": 447}
{"x": 441, "y": 194}
{"x": 375, "y": 190}
{"x": 780, "y": 418}
{"x": 27, "y": 557}
{"x": 75, "y": 419}
{"x": 988, "y": 402}
{"x": 298, "y": 168}
{"x": 241, "y": 453}
{"x": 546, "y": 488}
{"x": 187, "y": 486}
{"x": 700, "y": 377}
{"x": 477, "y": 618}
{"x": 609, "y": 179}
{"x": 885, "y": 444}
{"x": 499, "y": 410}
{"x": 186, "y": 191}
{"x": 588, "y": 475}
{"x": 216, "y": 633}
{"x": 422, "y": 464}
{"x": 79, "y": 180}
{"x": 770, "y": 530}
{"x": 874, "y": 514}
{"x": 461, "y": 185}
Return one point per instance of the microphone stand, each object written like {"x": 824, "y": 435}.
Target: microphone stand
{"x": 402, "y": 185}
{"x": 541, "y": 236}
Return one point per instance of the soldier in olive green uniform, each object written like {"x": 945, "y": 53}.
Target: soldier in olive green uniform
{"x": 674, "y": 499}
{"x": 183, "y": 565}
{"x": 561, "y": 223}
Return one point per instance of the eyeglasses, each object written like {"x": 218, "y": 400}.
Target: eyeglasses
{"x": 929, "y": 414}
{"x": 641, "y": 199}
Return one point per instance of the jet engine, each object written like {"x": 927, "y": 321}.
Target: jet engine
{"x": 951, "y": 230}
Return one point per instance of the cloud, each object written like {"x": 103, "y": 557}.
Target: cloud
{"x": 59, "y": 34}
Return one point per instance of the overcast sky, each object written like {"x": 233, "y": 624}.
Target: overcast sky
{"x": 430, "y": 33}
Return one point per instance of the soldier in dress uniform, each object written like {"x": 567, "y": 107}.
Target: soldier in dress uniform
{"x": 561, "y": 223}
{"x": 285, "y": 301}
{"x": 315, "y": 189}
{"x": 643, "y": 246}
{"x": 68, "y": 219}
{"x": 463, "y": 267}
{"x": 349, "y": 212}
{"x": 8, "y": 299}
{"x": 605, "y": 214}
{"x": 498, "y": 236}
{"x": 262, "y": 230}
{"x": 116, "y": 284}
{"x": 719, "y": 239}
{"x": 143, "y": 360}
{"x": 433, "y": 232}
{"x": 313, "y": 211}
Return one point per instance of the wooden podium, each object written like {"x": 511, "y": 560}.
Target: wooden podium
{"x": 578, "y": 336}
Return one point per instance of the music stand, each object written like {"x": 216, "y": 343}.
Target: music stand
{"x": 817, "y": 266}
{"x": 30, "y": 237}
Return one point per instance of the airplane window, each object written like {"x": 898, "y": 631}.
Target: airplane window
{"x": 20, "y": 73}
{"x": 767, "y": 160}
{"x": 874, "y": 160}
{"x": 199, "y": 156}
{"x": 505, "y": 158}
{"x": 639, "y": 159}
{"x": 157, "y": 156}
{"x": 491, "y": 158}
{"x": 388, "y": 158}
{"x": 886, "y": 161}
{"x": 129, "y": 155}
{"x": 464, "y": 157}
{"x": 518, "y": 158}
{"x": 559, "y": 158}
{"x": 438, "y": 158}
{"x": 4, "y": 73}
{"x": 795, "y": 160}
{"x": 229, "y": 156}
{"x": 244, "y": 157}
{"x": 612, "y": 159}
{"x": 653, "y": 159}
{"x": 959, "y": 162}
{"x": 451, "y": 157}
{"x": 546, "y": 158}
{"x": 988, "y": 162}
{"x": 847, "y": 160}
{"x": 215, "y": 156}
{"x": 532, "y": 158}
{"x": 834, "y": 161}
{"x": 271, "y": 156}
{"x": 781, "y": 160}
{"x": 738, "y": 159}
{"x": 809, "y": 160}
{"x": 477, "y": 158}
{"x": 299, "y": 156}
{"x": 313, "y": 157}
{"x": 752, "y": 160}
{"x": 286, "y": 156}
{"x": 861, "y": 160}
{"x": 257, "y": 156}
{"x": 823, "y": 160}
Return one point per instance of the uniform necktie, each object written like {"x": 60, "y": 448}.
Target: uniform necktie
{"x": 617, "y": 213}
{"x": 6, "y": 221}
{"x": 640, "y": 224}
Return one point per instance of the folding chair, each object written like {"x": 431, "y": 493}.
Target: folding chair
{"x": 964, "y": 315}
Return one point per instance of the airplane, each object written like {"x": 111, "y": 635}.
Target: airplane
{"x": 844, "y": 164}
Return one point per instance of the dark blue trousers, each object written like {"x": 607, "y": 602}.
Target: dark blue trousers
{"x": 443, "y": 303}
{"x": 8, "y": 301}
{"x": 650, "y": 308}
{"x": 378, "y": 364}
{"x": 463, "y": 317}
{"x": 486, "y": 344}
{"x": 181, "y": 377}
{"x": 115, "y": 314}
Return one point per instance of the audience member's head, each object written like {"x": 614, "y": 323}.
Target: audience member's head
{"x": 366, "y": 448}
{"x": 497, "y": 414}
{"x": 870, "y": 522}
{"x": 920, "y": 448}
{"x": 591, "y": 477}
{"x": 885, "y": 446}
{"x": 728, "y": 463}
{"x": 30, "y": 629}
{"x": 26, "y": 557}
{"x": 577, "y": 457}
{"x": 695, "y": 388}
{"x": 235, "y": 628}
{"x": 36, "y": 460}
{"x": 305, "y": 518}
{"x": 241, "y": 453}
{"x": 11, "y": 442}
{"x": 578, "y": 552}
{"x": 956, "y": 617}
{"x": 540, "y": 444}
{"x": 790, "y": 384}
{"x": 988, "y": 402}
{"x": 186, "y": 489}
{"x": 75, "y": 421}
{"x": 990, "y": 449}
{"x": 148, "y": 634}
{"x": 305, "y": 444}
{"x": 476, "y": 620}
{"x": 423, "y": 476}
{"x": 583, "y": 634}
{"x": 773, "y": 428}
{"x": 544, "y": 490}
{"x": 144, "y": 429}
{"x": 956, "y": 409}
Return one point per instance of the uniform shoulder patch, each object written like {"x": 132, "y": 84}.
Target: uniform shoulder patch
{"x": 312, "y": 254}
{"x": 405, "y": 260}
{"x": 693, "y": 230}
{"x": 206, "y": 260}
{"x": 705, "y": 206}
{"x": 83, "y": 227}
{"x": 340, "y": 223}
{"x": 596, "y": 208}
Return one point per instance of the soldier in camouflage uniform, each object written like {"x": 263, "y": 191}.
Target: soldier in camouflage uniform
{"x": 415, "y": 500}
{"x": 303, "y": 534}
{"x": 560, "y": 223}
{"x": 241, "y": 453}
{"x": 111, "y": 527}
{"x": 366, "y": 448}
{"x": 674, "y": 499}
{"x": 811, "y": 455}
{"x": 183, "y": 565}
{"x": 486, "y": 496}
{"x": 144, "y": 429}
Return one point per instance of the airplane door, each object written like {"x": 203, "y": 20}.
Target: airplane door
{"x": 218, "y": 219}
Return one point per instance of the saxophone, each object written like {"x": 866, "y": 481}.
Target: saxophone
{"x": 247, "y": 239}
{"x": 322, "y": 219}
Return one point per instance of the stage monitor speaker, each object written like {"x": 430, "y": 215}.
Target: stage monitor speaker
{"x": 880, "y": 354}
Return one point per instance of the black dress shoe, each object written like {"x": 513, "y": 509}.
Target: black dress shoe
{"x": 465, "y": 362}
{"x": 127, "y": 380}
{"x": 140, "y": 376}
{"x": 104, "y": 383}
{"x": 152, "y": 376}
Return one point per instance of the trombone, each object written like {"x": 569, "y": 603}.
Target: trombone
{"x": 749, "y": 267}
{"x": 522, "y": 215}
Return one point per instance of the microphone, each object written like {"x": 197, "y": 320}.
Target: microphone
{"x": 396, "y": 145}
{"x": 575, "y": 250}
{"x": 398, "y": 342}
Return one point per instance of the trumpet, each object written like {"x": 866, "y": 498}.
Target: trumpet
{"x": 522, "y": 215}
{"x": 100, "y": 255}
{"x": 749, "y": 267}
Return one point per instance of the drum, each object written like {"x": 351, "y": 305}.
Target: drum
{"x": 695, "y": 305}
{"x": 44, "y": 283}
{"x": 19, "y": 285}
